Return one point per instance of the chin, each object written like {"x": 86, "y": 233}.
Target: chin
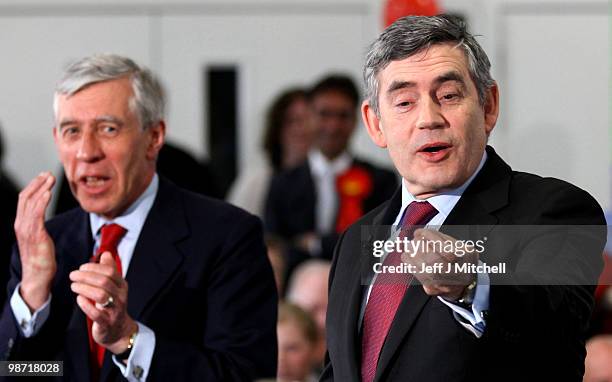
{"x": 94, "y": 206}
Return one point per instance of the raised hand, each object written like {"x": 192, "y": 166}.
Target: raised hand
{"x": 96, "y": 284}
{"x": 435, "y": 268}
{"x": 36, "y": 248}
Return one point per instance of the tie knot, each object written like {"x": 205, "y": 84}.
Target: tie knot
{"x": 111, "y": 235}
{"x": 416, "y": 214}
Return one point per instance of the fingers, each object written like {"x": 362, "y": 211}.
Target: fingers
{"x": 437, "y": 246}
{"x": 33, "y": 201}
{"x": 107, "y": 259}
{"x": 97, "y": 295}
{"x": 97, "y": 278}
{"x": 31, "y": 188}
{"x": 36, "y": 188}
{"x": 98, "y": 275}
{"x": 100, "y": 316}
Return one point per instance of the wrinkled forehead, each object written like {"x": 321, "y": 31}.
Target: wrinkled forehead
{"x": 439, "y": 63}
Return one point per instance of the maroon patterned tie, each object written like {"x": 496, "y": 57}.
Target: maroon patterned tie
{"x": 387, "y": 293}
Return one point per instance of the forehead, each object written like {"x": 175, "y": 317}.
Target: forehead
{"x": 426, "y": 65}
{"x": 107, "y": 97}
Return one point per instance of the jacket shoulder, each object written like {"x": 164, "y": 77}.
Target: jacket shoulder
{"x": 558, "y": 198}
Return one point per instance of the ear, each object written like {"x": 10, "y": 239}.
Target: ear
{"x": 373, "y": 125}
{"x": 157, "y": 134}
{"x": 491, "y": 108}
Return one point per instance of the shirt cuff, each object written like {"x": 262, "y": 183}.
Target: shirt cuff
{"x": 139, "y": 361}
{"x": 29, "y": 323}
{"x": 474, "y": 320}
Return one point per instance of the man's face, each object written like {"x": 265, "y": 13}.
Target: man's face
{"x": 334, "y": 119}
{"x": 431, "y": 119}
{"x": 108, "y": 158}
{"x": 311, "y": 295}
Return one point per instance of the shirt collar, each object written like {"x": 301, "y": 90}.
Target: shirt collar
{"x": 444, "y": 202}
{"x": 321, "y": 166}
{"x": 134, "y": 217}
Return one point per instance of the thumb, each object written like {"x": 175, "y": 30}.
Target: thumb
{"x": 107, "y": 259}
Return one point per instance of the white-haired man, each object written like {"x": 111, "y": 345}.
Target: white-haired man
{"x": 195, "y": 266}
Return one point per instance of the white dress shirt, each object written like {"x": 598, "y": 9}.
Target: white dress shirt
{"x": 139, "y": 361}
{"x": 324, "y": 173}
{"x": 444, "y": 203}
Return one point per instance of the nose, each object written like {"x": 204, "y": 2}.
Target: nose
{"x": 429, "y": 116}
{"x": 89, "y": 148}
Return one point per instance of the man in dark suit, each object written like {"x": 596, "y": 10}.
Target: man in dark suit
{"x": 309, "y": 205}
{"x": 201, "y": 303}
{"x": 432, "y": 102}
{"x": 8, "y": 208}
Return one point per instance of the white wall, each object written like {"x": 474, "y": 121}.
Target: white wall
{"x": 551, "y": 59}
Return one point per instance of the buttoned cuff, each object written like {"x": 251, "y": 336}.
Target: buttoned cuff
{"x": 29, "y": 323}
{"x": 139, "y": 361}
{"x": 474, "y": 319}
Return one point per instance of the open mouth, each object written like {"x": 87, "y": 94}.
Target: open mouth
{"x": 435, "y": 151}
{"x": 434, "y": 147}
{"x": 94, "y": 182}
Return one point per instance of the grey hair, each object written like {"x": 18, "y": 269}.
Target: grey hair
{"x": 413, "y": 34}
{"x": 148, "y": 100}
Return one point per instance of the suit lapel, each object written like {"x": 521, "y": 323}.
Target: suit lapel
{"x": 156, "y": 255}
{"x": 76, "y": 250}
{"x": 486, "y": 194}
{"x": 359, "y": 285}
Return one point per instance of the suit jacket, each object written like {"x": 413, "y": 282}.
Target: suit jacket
{"x": 533, "y": 332}
{"x": 9, "y": 194}
{"x": 199, "y": 278}
{"x": 291, "y": 205}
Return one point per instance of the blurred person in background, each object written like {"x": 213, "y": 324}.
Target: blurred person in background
{"x": 297, "y": 341}
{"x": 598, "y": 362}
{"x": 9, "y": 193}
{"x": 288, "y": 136}
{"x": 310, "y": 205}
{"x": 276, "y": 255}
{"x": 307, "y": 289}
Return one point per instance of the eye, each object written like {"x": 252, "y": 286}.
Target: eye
{"x": 70, "y": 131}
{"x": 109, "y": 130}
{"x": 450, "y": 98}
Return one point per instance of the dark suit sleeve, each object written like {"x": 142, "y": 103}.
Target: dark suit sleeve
{"x": 328, "y": 370}
{"x": 46, "y": 344}
{"x": 239, "y": 341}
{"x": 9, "y": 332}
{"x": 538, "y": 314}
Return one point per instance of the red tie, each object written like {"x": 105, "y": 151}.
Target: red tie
{"x": 111, "y": 235}
{"x": 387, "y": 293}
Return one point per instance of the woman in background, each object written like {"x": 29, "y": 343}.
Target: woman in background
{"x": 288, "y": 136}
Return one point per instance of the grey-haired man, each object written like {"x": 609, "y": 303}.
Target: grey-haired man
{"x": 195, "y": 267}
{"x": 432, "y": 103}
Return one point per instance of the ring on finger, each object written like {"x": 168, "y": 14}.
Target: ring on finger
{"x": 109, "y": 303}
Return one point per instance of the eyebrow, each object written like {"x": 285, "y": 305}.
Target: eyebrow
{"x": 397, "y": 85}
{"x": 449, "y": 76}
{"x": 104, "y": 118}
